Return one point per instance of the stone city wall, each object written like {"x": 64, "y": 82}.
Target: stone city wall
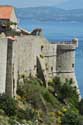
{"x": 3, "y": 63}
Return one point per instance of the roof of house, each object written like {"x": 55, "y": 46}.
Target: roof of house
{"x": 5, "y": 12}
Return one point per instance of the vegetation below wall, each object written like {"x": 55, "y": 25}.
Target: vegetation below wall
{"x": 37, "y": 105}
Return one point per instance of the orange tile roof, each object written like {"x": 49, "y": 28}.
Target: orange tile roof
{"x": 5, "y": 12}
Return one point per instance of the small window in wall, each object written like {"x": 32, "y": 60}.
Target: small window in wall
{"x": 42, "y": 48}
{"x": 73, "y": 65}
{"x": 35, "y": 67}
{"x": 59, "y": 66}
{"x": 51, "y": 68}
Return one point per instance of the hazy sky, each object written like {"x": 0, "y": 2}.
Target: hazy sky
{"x": 66, "y": 4}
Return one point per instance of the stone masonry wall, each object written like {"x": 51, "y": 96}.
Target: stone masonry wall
{"x": 29, "y": 47}
{"x": 3, "y": 62}
{"x": 20, "y": 57}
{"x": 9, "y": 69}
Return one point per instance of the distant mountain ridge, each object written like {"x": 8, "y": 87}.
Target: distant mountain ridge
{"x": 50, "y": 13}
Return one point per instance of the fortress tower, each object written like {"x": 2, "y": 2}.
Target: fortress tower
{"x": 65, "y": 60}
{"x": 62, "y": 61}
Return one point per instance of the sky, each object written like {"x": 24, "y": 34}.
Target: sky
{"x": 65, "y": 4}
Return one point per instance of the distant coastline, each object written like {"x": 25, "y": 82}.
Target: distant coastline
{"x": 57, "y": 14}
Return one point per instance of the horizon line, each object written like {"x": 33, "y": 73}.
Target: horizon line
{"x": 39, "y": 7}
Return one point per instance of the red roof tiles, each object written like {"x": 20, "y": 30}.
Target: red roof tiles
{"x": 5, "y": 12}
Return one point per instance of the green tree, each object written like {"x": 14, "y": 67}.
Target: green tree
{"x": 65, "y": 92}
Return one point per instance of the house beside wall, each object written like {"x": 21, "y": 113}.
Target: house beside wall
{"x": 8, "y": 17}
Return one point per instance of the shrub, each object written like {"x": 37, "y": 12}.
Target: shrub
{"x": 81, "y": 107}
{"x": 37, "y": 95}
{"x": 8, "y": 104}
{"x": 4, "y": 120}
{"x": 65, "y": 92}
{"x": 71, "y": 118}
{"x": 57, "y": 84}
{"x": 20, "y": 91}
{"x": 50, "y": 98}
{"x": 31, "y": 93}
{"x": 28, "y": 114}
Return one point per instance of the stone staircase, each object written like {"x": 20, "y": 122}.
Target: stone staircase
{"x": 41, "y": 70}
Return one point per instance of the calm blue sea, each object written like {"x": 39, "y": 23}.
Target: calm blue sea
{"x": 60, "y": 31}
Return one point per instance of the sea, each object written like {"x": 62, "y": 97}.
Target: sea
{"x": 61, "y": 31}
